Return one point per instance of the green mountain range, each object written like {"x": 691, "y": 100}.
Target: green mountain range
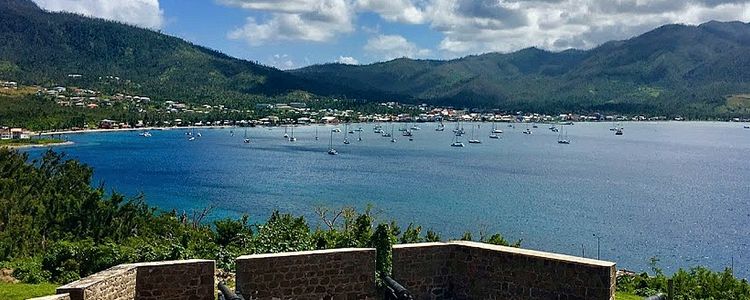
{"x": 675, "y": 69}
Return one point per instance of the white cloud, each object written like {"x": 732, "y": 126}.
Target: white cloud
{"x": 142, "y": 13}
{"x": 472, "y": 26}
{"x": 403, "y": 11}
{"x": 394, "y": 46}
{"x": 347, "y": 60}
{"x": 305, "y": 20}
{"x": 282, "y": 61}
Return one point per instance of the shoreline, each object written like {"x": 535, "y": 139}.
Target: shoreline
{"x": 32, "y": 146}
{"x": 61, "y": 132}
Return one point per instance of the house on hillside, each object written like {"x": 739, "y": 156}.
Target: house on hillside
{"x": 107, "y": 124}
{"x": 19, "y": 134}
{"x": 4, "y": 133}
{"x": 329, "y": 120}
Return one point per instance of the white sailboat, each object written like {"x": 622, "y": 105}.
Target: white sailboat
{"x": 286, "y": 135}
{"x": 562, "y": 136}
{"x": 346, "y": 134}
{"x": 316, "y": 133}
{"x": 457, "y": 141}
{"x": 331, "y": 151}
{"x": 246, "y": 140}
{"x": 474, "y": 140}
{"x": 292, "y": 138}
{"x": 393, "y": 138}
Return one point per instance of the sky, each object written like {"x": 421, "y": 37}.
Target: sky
{"x": 291, "y": 34}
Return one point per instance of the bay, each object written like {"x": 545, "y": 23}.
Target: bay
{"x": 679, "y": 191}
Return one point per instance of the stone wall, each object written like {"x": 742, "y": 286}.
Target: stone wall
{"x": 168, "y": 280}
{"x": 189, "y": 280}
{"x": 482, "y": 271}
{"x": 424, "y": 269}
{"x": 324, "y": 274}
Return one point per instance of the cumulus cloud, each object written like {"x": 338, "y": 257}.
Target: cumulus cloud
{"x": 471, "y": 26}
{"x": 306, "y": 20}
{"x": 347, "y": 60}
{"x": 142, "y": 13}
{"x": 282, "y": 61}
{"x": 403, "y": 11}
{"x": 394, "y": 46}
{"x": 475, "y": 26}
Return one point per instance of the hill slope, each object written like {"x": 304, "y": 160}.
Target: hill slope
{"x": 672, "y": 69}
{"x": 43, "y": 48}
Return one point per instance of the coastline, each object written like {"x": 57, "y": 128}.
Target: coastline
{"x": 31, "y": 146}
{"x": 52, "y": 133}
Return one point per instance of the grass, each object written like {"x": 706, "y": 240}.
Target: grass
{"x": 626, "y": 296}
{"x": 19, "y": 291}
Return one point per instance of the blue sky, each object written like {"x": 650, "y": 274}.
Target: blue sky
{"x": 295, "y": 33}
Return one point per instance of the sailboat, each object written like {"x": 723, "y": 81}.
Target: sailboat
{"x": 346, "y": 133}
{"x": 393, "y": 139}
{"x": 331, "y": 151}
{"x": 292, "y": 138}
{"x": 316, "y": 133}
{"x": 440, "y": 127}
{"x": 527, "y": 131}
{"x": 562, "y": 137}
{"x": 286, "y": 136}
{"x": 246, "y": 140}
{"x": 496, "y": 130}
{"x": 360, "y": 135}
{"x": 473, "y": 140}
{"x": 457, "y": 141}
{"x": 191, "y": 135}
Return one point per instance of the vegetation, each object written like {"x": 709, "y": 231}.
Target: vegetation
{"x": 19, "y": 291}
{"x": 56, "y": 227}
{"x": 13, "y": 143}
{"x": 696, "y": 283}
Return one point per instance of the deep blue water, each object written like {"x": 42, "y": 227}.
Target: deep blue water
{"x": 676, "y": 190}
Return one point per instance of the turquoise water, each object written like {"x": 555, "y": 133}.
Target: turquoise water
{"x": 675, "y": 190}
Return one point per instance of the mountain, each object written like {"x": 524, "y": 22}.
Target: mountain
{"x": 674, "y": 69}
{"x": 44, "y": 48}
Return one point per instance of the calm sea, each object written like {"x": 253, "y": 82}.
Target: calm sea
{"x": 679, "y": 191}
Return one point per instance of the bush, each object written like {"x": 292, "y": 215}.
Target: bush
{"x": 28, "y": 270}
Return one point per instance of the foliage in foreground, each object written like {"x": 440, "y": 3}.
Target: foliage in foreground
{"x": 696, "y": 283}
{"x": 11, "y": 291}
{"x": 56, "y": 227}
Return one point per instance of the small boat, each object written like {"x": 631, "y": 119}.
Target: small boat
{"x": 407, "y": 133}
{"x": 331, "y": 151}
{"x": 494, "y": 136}
{"x": 192, "y": 138}
{"x": 316, "y": 133}
{"x": 145, "y": 134}
{"x": 199, "y": 134}
{"x": 358, "y": 129}
{"x": 246, "y": 140}
{"x": 337, "y": 130}
{"x": 457, "y": 142}
{"x": 359, "y": 133}
{"x": 527, "y": 131}
{"x": 473, "y": 140}
{"x": 534, "y": 126}
{"x": 346, "y": 134}
{"x": 292, "y": 138}
{"x": 440, "y": 127}
{"x": 746, "y": 126}
{"x": 495, "y": 130}
{"x": 415, "y": 127}
{"x": 393, "y": 139}
{"x": 619, "y": 131}
{"x": 346, "y": 141}
{"x": 562, "y": 138}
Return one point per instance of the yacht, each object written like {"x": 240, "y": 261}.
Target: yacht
{"x": 562, "y": 138}
{"x": 457, "y": 142}
{"x": 292, "y": 138}
{"x": 331, "y": 151}
{"x": 473, "y": 140}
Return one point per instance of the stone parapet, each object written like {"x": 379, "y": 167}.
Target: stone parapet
{"x": 168, "y": 280}
{"x": 324, "y": 274}
{"x": 470, "y": 270}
